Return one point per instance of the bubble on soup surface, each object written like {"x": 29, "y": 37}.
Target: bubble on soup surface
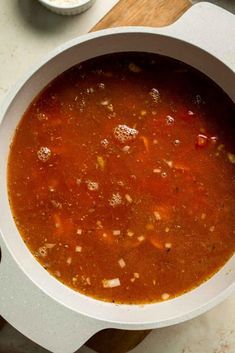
{"x": 134, "y": 68}
{"x": 169, "y": 120}
{"x": 101, "y": 85}
{"x": 41, "y": 116}
{"x": 44, "y": 154}
{"x": 104, "y": 143}
{"x": 92, "y": 185}
{"x": 42, "y": 251}
{"x": 115, "y": 200}
{"x": 124, "y": 133}
{"x": 154, "y": 93}
{"x": 198, "y": 100}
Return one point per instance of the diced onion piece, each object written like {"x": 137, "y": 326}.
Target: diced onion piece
{"x": 168, "y": 245}
{"x": 101, "y": 162}
{"x": 190, "y": 112}
{"x": 165, "y": 296}
{"x": 157, "y": 170}
{"x": 111, "y": 283}
{"x": 78, "y": 249}
{"x": 56, "y": 204}
{"x": 101, "y": 85}
{"x": 110, "y": 107}
{"x": 156, "y": 243}
{"x": 79, "y": 231}
{"x": 78, "y": 181}
{"x": 157, "y": 215}
{"x": 141, "y": 238}
{"x": 90, "y": 90}
{"x": 49, "y": 246}
{"x": 136, "y": 275}
{"x": 130, "y": 234}
{"x": 128, "y": 198}
{"x": 105, "y": 102}
{"x": 177, "y": 142}
{"x": 121, "y": 263}
{"x": 69, "y": 260}
{"x": 116, "y": 232}
{"x": 231, "y": 158}
{"x": 126, "y": 148}
{"x": 145, "y": 142}
{"x": 182, "y": 168}
{"x": 169, "y": 163}
{"x": 99, "y": 224}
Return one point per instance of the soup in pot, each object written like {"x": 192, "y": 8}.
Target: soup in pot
{"x": 121, "y": 178}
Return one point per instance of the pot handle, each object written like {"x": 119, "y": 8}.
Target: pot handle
{"x": 52, "y": 326}
{"x": 209, "y": 27}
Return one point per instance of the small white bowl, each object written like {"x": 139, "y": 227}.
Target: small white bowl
{"x": 67, "y": 7}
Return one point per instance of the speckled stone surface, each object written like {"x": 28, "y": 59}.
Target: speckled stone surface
{"x": 27, "y": 32}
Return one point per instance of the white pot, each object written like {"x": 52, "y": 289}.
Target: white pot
{"x": 49, "y": 313}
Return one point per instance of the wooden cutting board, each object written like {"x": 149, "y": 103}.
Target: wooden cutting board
{"x": 153, "y": 13}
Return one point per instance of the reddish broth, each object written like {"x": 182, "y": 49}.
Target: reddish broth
{"x": 121, "y": 178}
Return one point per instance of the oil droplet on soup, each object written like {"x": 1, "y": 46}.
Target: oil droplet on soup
{"x": 121, "y": 178}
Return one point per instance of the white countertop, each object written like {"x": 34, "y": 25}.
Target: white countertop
{"x": 27, "y": 32}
